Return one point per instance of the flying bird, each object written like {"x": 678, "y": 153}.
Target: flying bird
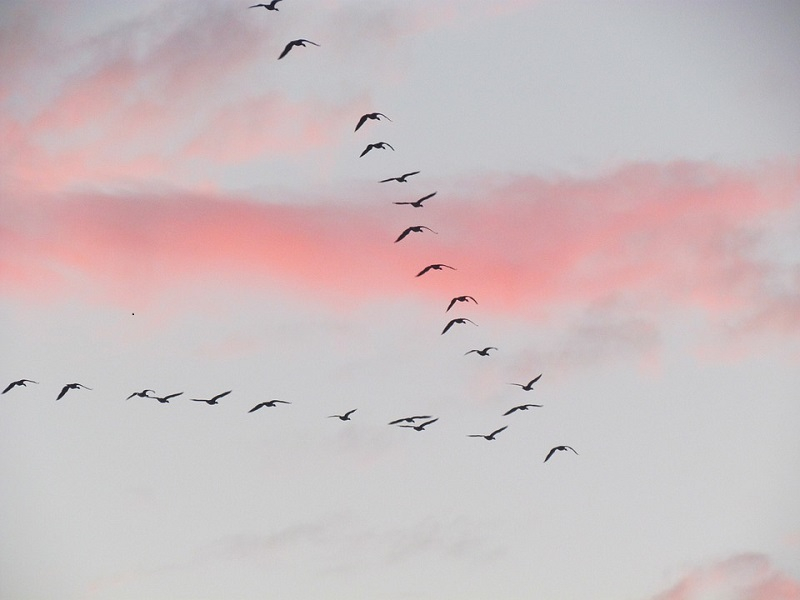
{"x": 528, "y": 386}
{"x": 436, "y": 267}
{"x": 460, "y": 299}
{"x": 268, "y": 404}
{"x": 270, "y": 6}
{"x": 375, "y": 116}
{"x": 20, "y": 382}
{"x": 345, "y": 416}
{"x": 142, "y": 394}
{"x": 212, "y": 400}
{"x": 293, "y": 43}
{"x": 522, "y": 407}
{"x": 489, "y": 437}
{"x": 165, "y": 399}
{"x": 418, "y": 203}
{"x": 421, "y": 426}
{"x": 402, "y": 178}
{"x": 459, "y": 321}
{"x": 409, "y": 419}
{"x": 415, "y": 229}
{"x": 484, "y": 352}
{"x": 378, "y": 145}
{"x": 553, "y": 450}
{"x": 71, "y": 386}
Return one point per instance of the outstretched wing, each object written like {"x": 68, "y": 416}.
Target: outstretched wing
{"x": 350, "y": 412}
{"x": 218, "y": 396}
{"x": 64, "y": 390}
{"x": 508, "y": 412}
{"x": 367, "y": 149}
{"x": 448, "y": 326}
{"x": 425, "y": 270}
{"x": 257, "y": 406}
{"x": 286, "y": 50}
{"x": 10, "y": 385}
{"x": 494, "y": 433}
{"x": 549, "y": 454}
{"x": 404, "y": 234}
{"x": 361, "y": 121}
{"x": 534, "y": 380}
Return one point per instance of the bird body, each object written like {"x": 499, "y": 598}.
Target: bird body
{"x": 19, "y": 382}
{"x": 418, "y": 203}
{"x": 268, "y": 404}
{"x": 378, "y": 145}
{"x": 213, "y": 400}
{"x": 553, "y": 451}
{"x": 527, "y": 386}
{"x": 71, "y": 386}
{"x": 458, "y": 321}
{"x": 460, "y": 299}
{"x": 484, "y": 352}
{"x": 421, "y": 426}
{"x": 414, "y": 229}
{"x": 489, "y": 437}
{"x": 522, "y": 407}
{"x": 375, "y": 116}
{"x": 293, "y": 43}
{"x": 400, "y": 179}
{"x": 436, "y": 267}
{"x": 345, "y": 416}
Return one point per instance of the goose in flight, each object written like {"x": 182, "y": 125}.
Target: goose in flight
{"x": 409, "y": 419}
{"x": 165, "y": 399}
{"x": 484, "y": 352}
{"x": 401, "y": 179}
{"x": 378, "y": 145}
{"x": 553, "y": 451}
{"x": 459, "y": 321}
{"x": 20, "y": 382}
{"x": 345, "y": 416}
{"x": 522, "y": 407}
{"x": 436, "y": 267}
{"x": 71, "y": 386}
{"x": 415, "y": 229}
{"x": 270, "y": 6}
{"x": 418, "y": 203}
{"x": 528, "y": 386}
{"x": 268, "y": 404}
{"x": 142, "y": 394}
{"x": 460, "y": 299}
{"x": 293, "y": 43}
{"x": 375, "y": 116}
{"x": 421, "y": 426}
{"x": 212, "y": 400}
{"x": 489, "y": 437}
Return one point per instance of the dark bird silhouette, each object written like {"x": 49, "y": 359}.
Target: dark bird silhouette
{"x": 20, "y": 382}
{"x": 522, "y": 407}
{"x": 460, "y": 299}
{"x": 345, "y": 416}
{"x": 401, "y": 179}
{"x": 142, "y": 394}
{"x": 375, "y": 116}
{"x": 458, "y": 321}
{"x": 527, "y": 386}
{"x": 71, "y": 386}
{"x": 489, "y": 437}
{"x": 378, "y": 145}
{"x": 553, "y": 451}
{"x": 270, "y": 6}
{"x": 268, "y": 404}
{"x": 484, "y": 352}
{"x": 413, "y": 228}
{"x": 421, "y": 426}
{"x": 165, "y": 399}
{"x": 418, "y": 203}
{"x": 212, "y": 400}
{"x": 294, "y": 43}
{"x": 409, "y": 419}
{"x": 436, "y": 267}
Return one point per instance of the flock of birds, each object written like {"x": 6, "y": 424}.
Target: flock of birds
{"x": 416, "y": 422}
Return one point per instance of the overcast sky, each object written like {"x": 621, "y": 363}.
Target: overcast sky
{"x": 617, "y": 187}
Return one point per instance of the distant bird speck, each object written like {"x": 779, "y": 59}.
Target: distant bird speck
{"x": 375, "y": 116}
{"x": 71, "y": 386}
{"x": 270, "y": 6}
{"x": 458, "y": 321}
{"x": 409, "y": 419}
{"x": 268, "y": 404}
{"x": 19, "y": 382}
{"x": 142, "y": 394}
{"x": 401, "y": 179}
{"x": 165, "y": 399}
{"x": 553, "y": 451}
{"x": 528, "y": 386}
{"x": 484, "y": 352}
{"x": 414, "y": 229}
{"x": 212, "y": 400}
{"x": 378, "y": 145}
{"x": 345, "y": 416}
{"x": 489, "y": 437}
{"x": 460, "y": 299}
{"x": 421, "y": 426}
{"x": 436, "y": 267}
{"x": 293, "y": 43}
{"x": 522, "y": 407}
{"x": 418, "y": 203}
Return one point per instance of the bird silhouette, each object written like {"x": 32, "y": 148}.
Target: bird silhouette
{"x": 345, "y": 416}
{"x": 522, "y": 407}
{"x": 460, "y": 299}
{"x": 71, "y": 386}
{"x": 553, "y": 451}
{"x": 270, "y": 6}
{"x": 142, "y": 394}
{"x": 418, "y": 203}
{"x": 489, "y": 437}
{"x": 458, "y": 321}
{"x": 293, "y": 43}
{"x": 409, "y": 419}
{"x": 378, "y": 145}
{"x": 268, "y": 404}
{"x": 484, "y": 352}
{"x": 375, "y": 116}
{"x": 415, "y": 229}
{"x": 401, "y": 179}
{"x": 165, "y": 399}
{"x": 527, "y": 386}
{"x": 20, "y": 382}
{"x": 421, "y": 426}
{"x": 436, "y": 267}
{"x": 212, "y": 400}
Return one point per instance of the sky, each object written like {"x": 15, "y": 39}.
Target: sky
{"x": 617, "y": 187}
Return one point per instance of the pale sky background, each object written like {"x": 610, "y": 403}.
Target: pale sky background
{"x": 618, "y": 186}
